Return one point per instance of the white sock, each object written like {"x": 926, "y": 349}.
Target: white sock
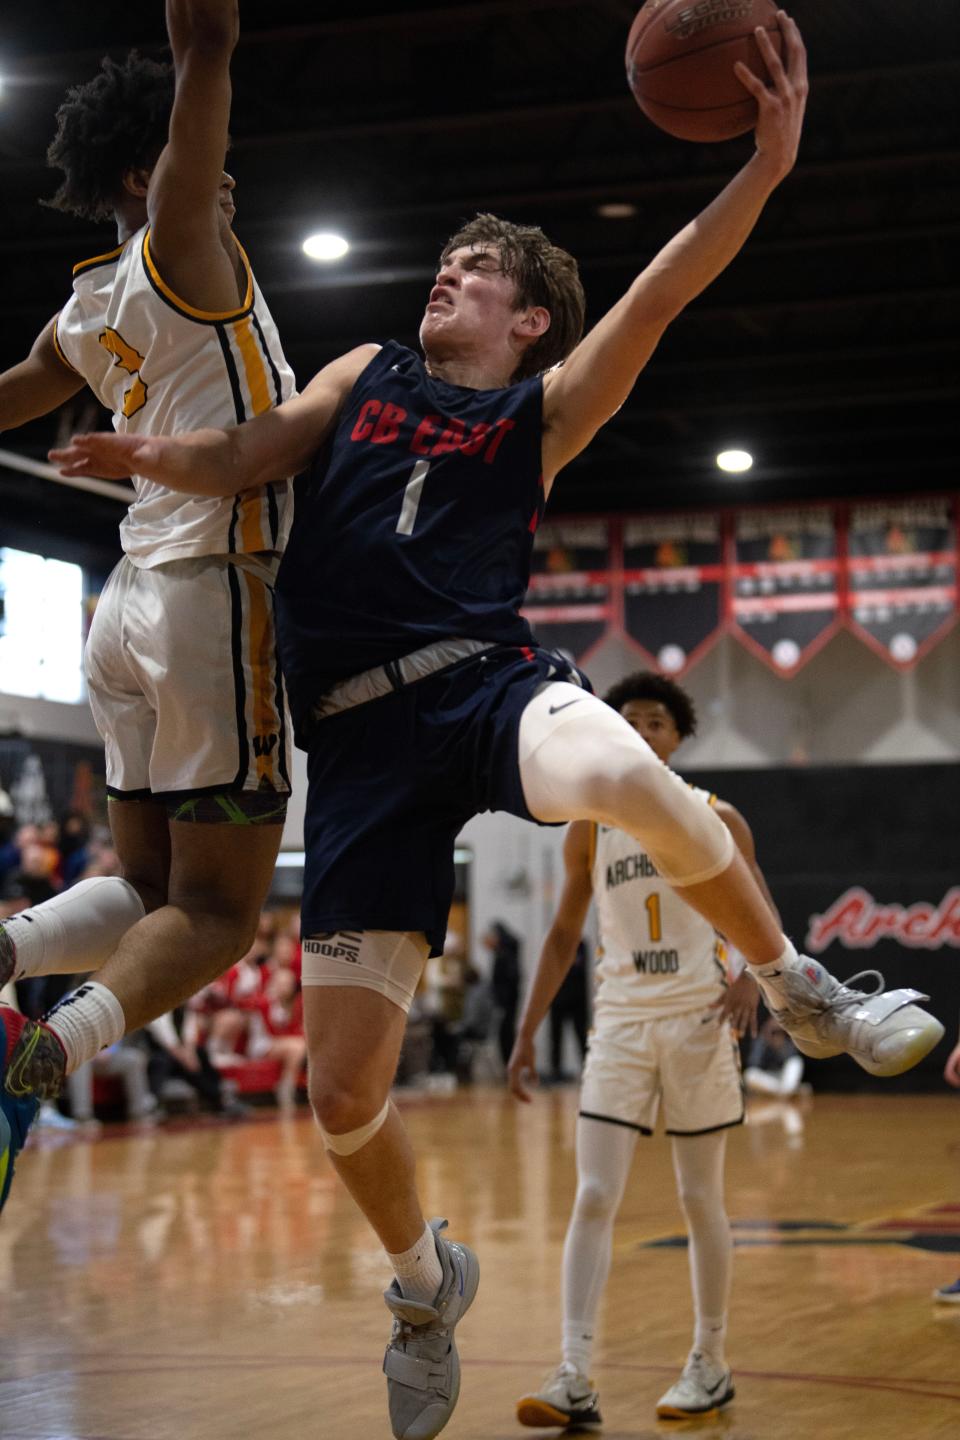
{"x": 74, "y": 932}
{"x": 767, "y": 977}
{"x": 418, "y": 1269}
{"x": 710, "y": 1337}
{"x": 578, "y": 1344}
{"x": 85, "y": 1022}
{"x": 604, "y": 1156}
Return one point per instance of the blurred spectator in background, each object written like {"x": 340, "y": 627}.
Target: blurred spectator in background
{"x": 445, "y": 979}
{"x": 73, "y": 840}
{"x": 128, "y": 1062}
{"x": 175, "y": 1056}
{"x": 504, "y": 982}
{"x": 276, "y": 1033}
{"x": 774, "y": 1066}
{"x": 569, "y": 1008}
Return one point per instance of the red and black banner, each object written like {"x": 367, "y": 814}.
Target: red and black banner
{"x": 902, "y": 576}
{"x": 673, "y": 587}
{"x": 569, "y": 601}
{"x": 784, "y": 583}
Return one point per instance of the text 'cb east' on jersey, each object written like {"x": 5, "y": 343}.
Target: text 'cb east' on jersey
{"x": 164, "y": 367}
{"x": 657, "y": 956}
{"x": 414, "y": 524}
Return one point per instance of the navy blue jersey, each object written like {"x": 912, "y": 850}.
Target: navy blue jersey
{"x": 414, "y": 524}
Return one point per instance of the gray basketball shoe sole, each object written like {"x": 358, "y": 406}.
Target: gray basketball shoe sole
{"x": 885, "y": 1033}
{"x": 421, "y": 1363}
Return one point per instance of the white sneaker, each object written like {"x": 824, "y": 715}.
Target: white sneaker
{"x": 565, "y": 1398}
{"x": 702, "y": 1389}
{"x": 884, "y": 1032}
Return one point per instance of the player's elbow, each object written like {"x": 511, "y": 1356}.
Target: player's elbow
{"x": 207, "y": 35}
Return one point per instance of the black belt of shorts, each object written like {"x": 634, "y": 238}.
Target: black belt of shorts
{"x": 396, "y": 675}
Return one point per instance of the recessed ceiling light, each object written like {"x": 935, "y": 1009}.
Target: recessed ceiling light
{"x": 325, "y": 246}
{"x": 617, "y": 210}
{"x": 734, "y": 461}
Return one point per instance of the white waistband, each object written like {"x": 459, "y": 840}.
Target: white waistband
{"x": 395, "y": 675}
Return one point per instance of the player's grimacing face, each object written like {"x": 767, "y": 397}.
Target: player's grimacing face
{"x": 472, "y": 303}
{"x": 654, "y": 723}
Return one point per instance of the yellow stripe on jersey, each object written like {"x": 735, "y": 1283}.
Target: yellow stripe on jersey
{"x": 253, "y": 366}
{"x": 266, "y": 721}
{"x": 191, "y": 311}
{"x": 82, "y": 265}
{"x": 59, "y": 349}
{"x": 252, "y": 530}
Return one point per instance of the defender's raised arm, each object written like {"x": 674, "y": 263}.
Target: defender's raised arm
{"x": 600, "y": 373}
{"x": 225, "y": 462}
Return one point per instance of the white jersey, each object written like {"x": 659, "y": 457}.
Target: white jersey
{"x": 657, "y": 956}
{"x": 164, "y": 367}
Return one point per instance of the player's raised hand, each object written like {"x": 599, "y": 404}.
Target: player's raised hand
{"x": 952, "y": 1071}
{"x": 780, "y": 105}
{"x": 522, "y": 1069}
{"x": 100, "y": 453}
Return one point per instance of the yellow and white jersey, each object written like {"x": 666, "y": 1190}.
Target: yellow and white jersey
{"x": 656, "y": 956}
{"x": 164, "y": 367}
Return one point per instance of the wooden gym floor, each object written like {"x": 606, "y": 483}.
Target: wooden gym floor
{"x": 214, "y": 1282}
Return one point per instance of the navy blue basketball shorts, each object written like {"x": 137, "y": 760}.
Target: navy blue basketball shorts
{"x": 393, "y": 781}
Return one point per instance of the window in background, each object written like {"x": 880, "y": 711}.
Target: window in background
{"x": 41, "y": 627}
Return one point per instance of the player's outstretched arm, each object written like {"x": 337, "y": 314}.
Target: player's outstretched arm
{"x": 275, "y": 445}
{"x": 558, "y": 954}
{"x": 183, "y": 200}
{"x": 38, "y": 384}
{"x": 739, "y": 1001}
{"x": 599, "y": 375}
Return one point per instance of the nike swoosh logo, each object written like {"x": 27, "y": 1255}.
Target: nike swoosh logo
{"x": 554, "y": 709}
{"x": 712, "y": 1389}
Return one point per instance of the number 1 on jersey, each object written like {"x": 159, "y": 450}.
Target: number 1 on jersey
{"x": 411, "y": 498}
{"x": 652, "y": 905}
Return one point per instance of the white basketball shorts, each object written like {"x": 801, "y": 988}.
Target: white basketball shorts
{"x": 690, "y": 1062}
{"x": 183, "y": 678}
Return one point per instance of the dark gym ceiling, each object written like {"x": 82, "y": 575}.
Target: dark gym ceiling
{"x": 829, "y": 347}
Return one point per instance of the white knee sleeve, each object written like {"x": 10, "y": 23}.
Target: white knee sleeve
{"x": 75, "y": 931}
{"x": 355, "y": 1140}
{"x": 580, "y": 760}
{"x": 388, "y": 961}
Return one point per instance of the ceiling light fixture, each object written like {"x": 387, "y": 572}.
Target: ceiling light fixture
{"x": 325, "y": 246}
{"x": 617, "y": 210}
{"x": 734, "y": 461}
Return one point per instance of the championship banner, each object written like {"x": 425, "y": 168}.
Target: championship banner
{"x": 569, "y": 600}
{"x": 673, "y": 587}
{"x": 783, "y": 600}
{"x": 902, "y": 566}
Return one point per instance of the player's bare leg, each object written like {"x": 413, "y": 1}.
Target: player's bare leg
{"x": 354, "y": 1037}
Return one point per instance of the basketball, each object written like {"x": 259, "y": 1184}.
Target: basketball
{"x": 680, "y": 59}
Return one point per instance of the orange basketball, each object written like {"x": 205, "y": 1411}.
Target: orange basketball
{"x": 680, "y": 58}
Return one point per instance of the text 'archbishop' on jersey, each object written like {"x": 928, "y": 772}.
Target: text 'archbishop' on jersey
{"x": 657, "y": 955}
{"x": 414, "y": 524}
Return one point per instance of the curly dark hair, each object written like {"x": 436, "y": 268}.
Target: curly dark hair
{"x": 645, "y": 685}
{"x": 117, "y": 121}
{"x": 543, "y": 274}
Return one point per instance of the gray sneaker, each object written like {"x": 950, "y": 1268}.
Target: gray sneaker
{"x": 884, "y": 1032}
{"x": 421, "y": 1364}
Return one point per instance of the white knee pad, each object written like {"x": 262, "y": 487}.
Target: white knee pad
{"x": 355, "y": 1140}
{"x": 580, "y": 760}
{"x": 387, "y": 961}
